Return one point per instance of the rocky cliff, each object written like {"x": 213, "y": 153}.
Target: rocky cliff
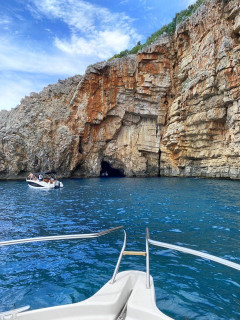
{"x": 171, "y": 110}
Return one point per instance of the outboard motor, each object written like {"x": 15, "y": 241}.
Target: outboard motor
{"x": 57, "y": 184}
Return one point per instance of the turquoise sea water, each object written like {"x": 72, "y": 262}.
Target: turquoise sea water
{"x": 200, "y": 214}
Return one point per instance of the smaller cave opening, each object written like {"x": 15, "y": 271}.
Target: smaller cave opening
{"x": 108, "y": 171}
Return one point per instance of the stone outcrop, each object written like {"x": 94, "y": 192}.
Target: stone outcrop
{"x": 171, "y": 110}
{"x": 36, "y": 136}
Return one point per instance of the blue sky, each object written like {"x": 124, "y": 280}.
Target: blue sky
{"x": 42, "y": 41}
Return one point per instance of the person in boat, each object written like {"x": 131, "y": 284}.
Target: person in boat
{"x": 40, "y": 177}
{"x": 31, "y": 176}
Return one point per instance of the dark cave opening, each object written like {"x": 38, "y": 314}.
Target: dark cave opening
{"x": 108, "y": 171}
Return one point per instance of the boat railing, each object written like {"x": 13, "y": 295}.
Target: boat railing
{"x": 60, "y": 237}
{"x": 119, "y": 259}
{"x": 122, "y": 253}
{"x": 12, "y": 314}
{"x": 185, "y": 250}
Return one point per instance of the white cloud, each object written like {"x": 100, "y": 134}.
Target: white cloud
{"x": 104, "y": 44}
{"x": 93, "y": 33}
{"x": 189, "y": 2}
{"x": 105, "y": 34}
{"x": 94, "y": 30}
{"x": 14, "y": 87}
{"x": 81, "y": 15}
{"x": 14, "y": 57}
{"x": 4, "y": 20}
{"x": 24, "y": 70}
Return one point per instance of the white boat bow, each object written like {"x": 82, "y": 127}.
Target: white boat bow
{"x": 127, "y": 298}
{"x": 128, "y": 295}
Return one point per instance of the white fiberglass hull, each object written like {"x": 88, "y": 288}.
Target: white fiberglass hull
{"x": 36, "y": 184}
{"x": 127, "y": 293}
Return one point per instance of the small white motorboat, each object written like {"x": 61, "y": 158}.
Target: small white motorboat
{"x": 43, "y": 183}
{"x": 128, "y": 295}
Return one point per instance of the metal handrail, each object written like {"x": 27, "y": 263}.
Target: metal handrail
{"x": 61, "y": 237}
{"x": 12, "y": 314}
{"x": 147, "y": 260}
{"x": 119, "y": 259}
{"x": 189, "y": 251}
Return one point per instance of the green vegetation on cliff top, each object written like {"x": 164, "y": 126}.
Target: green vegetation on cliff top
{"x": 169, "y": 29}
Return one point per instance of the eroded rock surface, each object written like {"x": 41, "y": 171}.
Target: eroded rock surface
{"x": 173, "y": 109}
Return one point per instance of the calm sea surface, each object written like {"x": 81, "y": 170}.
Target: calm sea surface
{"x": 200, "y": 214}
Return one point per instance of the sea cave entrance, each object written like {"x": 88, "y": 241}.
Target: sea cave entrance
{"x": 108, "y": 171}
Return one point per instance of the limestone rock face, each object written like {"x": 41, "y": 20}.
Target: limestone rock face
{"x": 36, "y": 136}
{"x": 201, "y": 137}
{"x": 171, "y": 110}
